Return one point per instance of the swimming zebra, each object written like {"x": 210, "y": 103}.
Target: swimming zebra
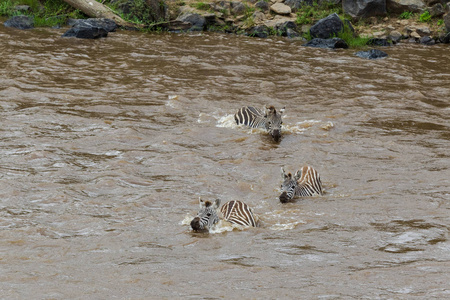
{"x": 257, "y": 118}
{"x": 306, "y": 182}
{"x": 235, "y": 212}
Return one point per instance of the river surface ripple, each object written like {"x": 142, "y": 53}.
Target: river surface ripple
{"x": 107, "y": 144}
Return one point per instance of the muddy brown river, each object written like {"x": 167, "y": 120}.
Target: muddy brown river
{"x": 106, "y": 146}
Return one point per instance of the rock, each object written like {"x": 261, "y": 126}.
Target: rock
{"x": 423, "y": 31}
{"x": 238, "y": 8}
{"x": 292, "y": 34}
{"x": 395, "y": 36}
{"x": 333, "y": 43}
{"x": 261, "y": 31}
{"x": 399, "y": 6}
{"x": 327, "y": 27}
{"x": 282, "y": 28}
{"x": 22, "y": 8}
{"x": 20, "y": 22}
{"x": 107, "y": 24}
{"x": 364, "y": 8}
{"x": 371, "y": 54}
{"x": 221, "y": 6}
{"x": 379, "y": 42}
{"x": 258, "y": 17}
{"x": 447, "y": 22}
{"x": 294, "y": 4}
{"x": 198, "y": 22}
{"x": 437, "y": 10}
{"x": 281, "y": 9}
{"x": 414, "y": 35}
{"x": 427, "y": 40}
{"x": 445, "y": 38}
{"x": 263, "y": 5}
{"x": 431, "y": 2}
{"x": 86, "y": 32}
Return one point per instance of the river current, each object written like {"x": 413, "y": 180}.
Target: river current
{"x": 106, "y": 146}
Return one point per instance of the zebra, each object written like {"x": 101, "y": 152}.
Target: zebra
{"x": 235, "y": 212}
{"x": 306, "y": 182}
{"x": 257, "y": 118}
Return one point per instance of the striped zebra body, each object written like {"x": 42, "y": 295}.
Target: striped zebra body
{"x": 235, "y": 212}
{"x": 257, "y": 118}
{"x": 306, "y": 182}
{"x": 238, "y": 212}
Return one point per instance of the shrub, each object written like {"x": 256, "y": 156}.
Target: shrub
{"x": 425, "y": 17}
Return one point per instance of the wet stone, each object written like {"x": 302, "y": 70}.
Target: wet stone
{"x": 371, "y": 54}
{"x": 20, "y": 22}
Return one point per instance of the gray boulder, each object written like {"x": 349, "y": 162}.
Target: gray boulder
{"x": 263, "y": 5}
{"x": 379, "y": 42}
{"x": 427, "y": 40}
{"x": 198, "y": 22}
{"x": 85, "y": 32}
{"x": 107, "y": 24}
{"x": 282, "y": 28}
{"x": 399, "y": 6}
{"x": 238, "y": 8}
{"x": 447, "y": 22}
{"x": 445, "y": 38}
{"x": 371, "y": 54}
{"x": 20, "y": 22}
{"x": 437, "y": 10}
{"x": 333, "y": 43}
{"x": 261, "y": 31}
{"x": 364, "y": 8}
{"x": 327, "y": 27}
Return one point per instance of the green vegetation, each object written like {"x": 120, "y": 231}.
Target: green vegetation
{"x": 425, "y": 17}
{"x": 406, "y": 15}
{"x": 309, "y": 14}
{"x": 46, "y": 13}
{"x": 201, "y": 6}
{"x": 440, "y": 22}
{"x": 352, "y": 40}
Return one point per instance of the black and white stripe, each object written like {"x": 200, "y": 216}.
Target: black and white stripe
{"x": 238, "y": 212}
{"x": 250, "y": 116}
{"x": 269, "y": 119}
{"x": 306, "y": 182}
{"x": 235, "y": 212}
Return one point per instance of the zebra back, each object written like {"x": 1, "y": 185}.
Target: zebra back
{"x": 250, "y": 116}
{"x": 238, "y": 212}
{"x": 309, "y": 182}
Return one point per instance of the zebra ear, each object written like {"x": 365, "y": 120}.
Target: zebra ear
{"x": 217, "y": 203}
{"x": 282, "y": 110}
{"x": 298, "y": 175}
{"x": 283, "y": 173}
{"x": 201, "y": 202}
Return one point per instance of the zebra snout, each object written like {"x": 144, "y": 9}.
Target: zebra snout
{"x": 195, "y": 224}
{"x": 284, "y": 197}
{"x": 276, "y": 134}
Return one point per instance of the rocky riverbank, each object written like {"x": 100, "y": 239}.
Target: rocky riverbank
{"x": 423, "y": 21}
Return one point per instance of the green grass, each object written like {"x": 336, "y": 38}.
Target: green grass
{"x": 309, "y": 14}
{"x": 46, "y": 13}
{"x": 201, "y": 6}
{"x": 405, "y": 15}
{"x": 352, "y": 41}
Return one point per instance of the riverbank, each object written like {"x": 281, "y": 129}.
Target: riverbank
{"x": 263, "y": 18}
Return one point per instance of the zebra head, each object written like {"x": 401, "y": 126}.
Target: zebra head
{"x": 273, "y": 122}
{"x": 290, "y": 183}
{"x": 207, "y": 216}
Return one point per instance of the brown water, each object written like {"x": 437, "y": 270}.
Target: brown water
{"x": 106, "y": 146}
